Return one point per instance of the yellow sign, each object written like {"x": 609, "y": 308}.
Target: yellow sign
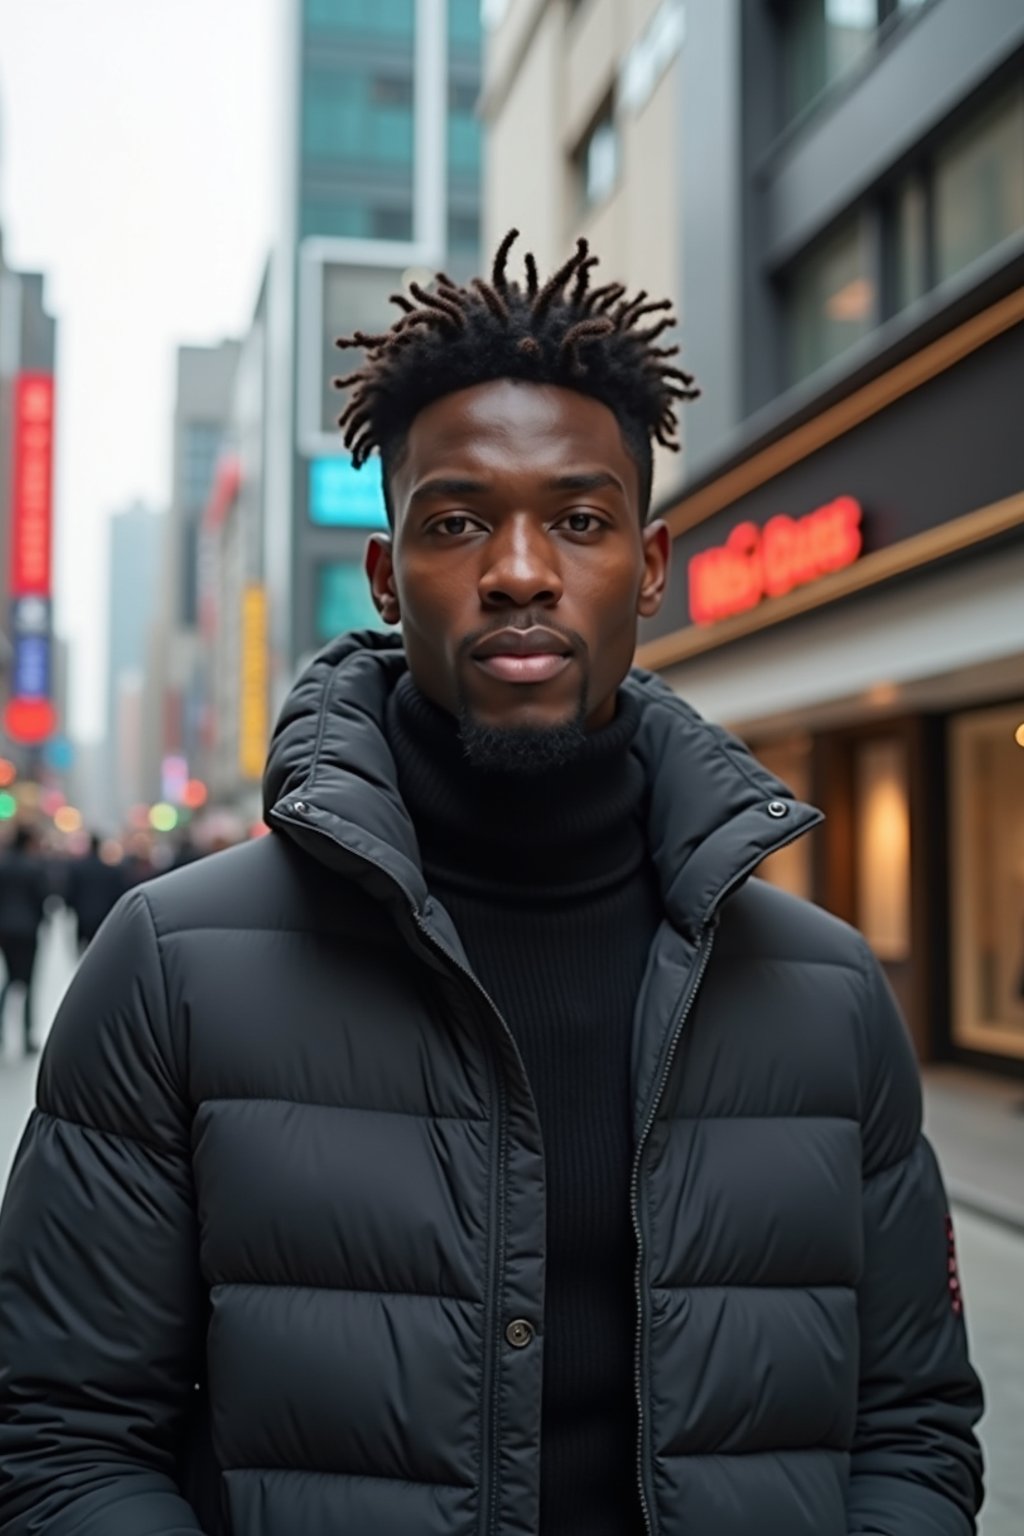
{"x": 254, "y": 725}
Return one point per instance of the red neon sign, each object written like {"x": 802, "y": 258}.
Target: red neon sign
{"x": 32, "y": 504}
{"x": 757, "y": 563}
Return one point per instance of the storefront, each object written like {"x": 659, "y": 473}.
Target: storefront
{"x": 850, "y": 599}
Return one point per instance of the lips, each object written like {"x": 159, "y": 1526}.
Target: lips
{"x": 524, "y": 655}
{"x": 523, "y": 642}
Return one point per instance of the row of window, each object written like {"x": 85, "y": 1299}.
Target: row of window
{"x": 823, "y": 40}
{"x": 368, "y": 120}
{"x": 361, "y": 219}
{"x": 958, "y": 204}
{"x": 389, "y": 19}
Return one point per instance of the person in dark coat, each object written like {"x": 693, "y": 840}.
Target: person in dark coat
{"x": 94, "y": 888}
{"x": 487, "y": 1152}
{"x": 24, "y": 888}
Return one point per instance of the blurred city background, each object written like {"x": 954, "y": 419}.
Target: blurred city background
{"x": 198, "y": 196}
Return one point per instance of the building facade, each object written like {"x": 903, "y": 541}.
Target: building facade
{"x": 233, "y": 596}
{"x": 833, "y": 190}
{"x": 382, "y": 147}
{"x": 849, "y": 541}
{"x": 135, "y": 559}
{"x": 581, "y": 107}
{"x": 176, "y": 707}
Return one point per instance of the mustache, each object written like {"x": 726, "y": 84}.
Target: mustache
{"x": 521, "y": 622}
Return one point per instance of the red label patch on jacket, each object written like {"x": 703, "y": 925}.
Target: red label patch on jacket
{"x": 953, "y": 1269}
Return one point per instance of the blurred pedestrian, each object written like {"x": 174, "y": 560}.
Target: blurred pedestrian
{"x": 93, "y": 889}
{"x": 186, "y": 851}
{"x": 24, "y": 887}
{"x": 486, "y": 1150}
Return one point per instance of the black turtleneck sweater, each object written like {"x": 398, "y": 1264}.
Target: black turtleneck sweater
{"x": 549, "y": 884}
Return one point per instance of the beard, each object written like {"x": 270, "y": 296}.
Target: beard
{"x": 527, "y": 751}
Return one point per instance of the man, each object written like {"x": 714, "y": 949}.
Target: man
{"x": 93, "y": 889}
{"x": 23, "y": 893}
{"x": 486, "y": 1152}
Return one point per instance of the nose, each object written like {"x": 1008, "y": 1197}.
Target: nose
{"x": 521, "y": 569}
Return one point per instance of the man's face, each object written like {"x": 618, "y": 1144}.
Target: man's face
{"x": 518, "y": 565}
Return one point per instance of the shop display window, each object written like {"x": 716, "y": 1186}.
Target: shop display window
{"x": 987, "y": 879}
{"x": 882, "y": 846}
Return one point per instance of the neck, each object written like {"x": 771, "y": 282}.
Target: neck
{"x": 548, "y": 835}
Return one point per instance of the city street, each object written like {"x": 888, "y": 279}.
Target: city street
{"x": 991, "y": 1257}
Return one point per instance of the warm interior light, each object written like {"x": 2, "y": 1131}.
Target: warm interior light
{"x": 1018, "y": 735}
{"x": 851, "y": 302}
{"x": 882, "y": 695}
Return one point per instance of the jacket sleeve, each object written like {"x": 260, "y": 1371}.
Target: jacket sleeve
{"x": 916, "y": 1465}
{"x": 100, "y": 1298}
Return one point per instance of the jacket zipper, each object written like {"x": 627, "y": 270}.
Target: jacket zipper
{"x": 706, "y": 946}
{"x": 492, "y": 1374}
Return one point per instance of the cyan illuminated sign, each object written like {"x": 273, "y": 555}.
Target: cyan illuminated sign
{"x": 341, "y": 496}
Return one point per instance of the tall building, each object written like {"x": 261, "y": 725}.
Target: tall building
{"x": 136, "y": 560}
{"x": 382, "y": 185}
{"x": 848, "y": 179}
{"x": 176, "y": 707}
{"x": 233, "y": 595}
{"x": 581, "y": 106}
{"x": 28, "y": 396}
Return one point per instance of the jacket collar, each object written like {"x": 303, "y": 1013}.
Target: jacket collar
{"x": 331, "y": 784}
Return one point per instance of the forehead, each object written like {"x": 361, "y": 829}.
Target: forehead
{"x": 513, "y": 429}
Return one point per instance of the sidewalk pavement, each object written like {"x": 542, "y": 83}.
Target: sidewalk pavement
{"x": 976, "y": 1124}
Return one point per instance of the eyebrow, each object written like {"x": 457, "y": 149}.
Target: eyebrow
{"x": 446, "y": 486}
{"x": 597, "y": 480}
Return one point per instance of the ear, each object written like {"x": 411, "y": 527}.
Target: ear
{"x": 380, "y": 569}
{"x": 657, "y": 543}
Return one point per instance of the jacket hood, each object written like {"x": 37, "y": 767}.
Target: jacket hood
{"x": 715, "y": 812}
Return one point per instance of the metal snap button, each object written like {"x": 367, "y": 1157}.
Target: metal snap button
{"x": 300, "y": 806}
{"x": 519, "y": 1333}
{"x": 778, "y": 808}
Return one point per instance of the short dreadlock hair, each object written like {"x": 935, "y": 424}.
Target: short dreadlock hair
{"x": 453, "y": 337}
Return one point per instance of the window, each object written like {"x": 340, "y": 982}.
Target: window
{"x": 831, "y": 300}
{"x": 392, "y": 223}
{"x": 363, "y": 18}
{"x": 463, "y": 96}
{"x": 464, "y": 148}
{"x": 821, "y": 41}
{"x": 463, "y": 231}
{"x": 464, "y": 26}
{"x": 342, "y": 218}
{"x": 343, "y": 600}
{"x": 343, "y": 120}
{"x": 979, "y": 186}
{"x": 910, "y": 242}
{"x": 882, "y": 852}
{"x": 987, "y": 880}
{"x": 597, "y": 159}
{"x": 392, "y": 91}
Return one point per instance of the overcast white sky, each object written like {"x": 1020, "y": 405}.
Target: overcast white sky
{"x": 137, "y": 170}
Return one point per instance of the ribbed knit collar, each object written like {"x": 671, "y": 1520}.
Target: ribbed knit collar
{"x": 565, "y": 833}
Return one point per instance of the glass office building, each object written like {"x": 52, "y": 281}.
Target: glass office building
{"x": 383, "y": 187}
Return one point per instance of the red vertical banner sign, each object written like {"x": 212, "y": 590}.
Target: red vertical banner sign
{"x": 29, "y": 715}
{"x": 32, "y": 502}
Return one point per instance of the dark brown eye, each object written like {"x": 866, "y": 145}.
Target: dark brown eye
{"x": 582, "y": 522}
{"x": 452, "y": 526}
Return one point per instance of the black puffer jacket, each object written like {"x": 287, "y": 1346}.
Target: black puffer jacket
{"x": 272, "y": 1254}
